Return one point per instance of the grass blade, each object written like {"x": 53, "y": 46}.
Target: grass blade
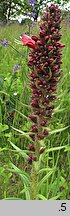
{"x": 55, "y": 148}
{"x": 58, "y": 130}
{"x": 41, "y": 197}
{"x": 44, "y": 179}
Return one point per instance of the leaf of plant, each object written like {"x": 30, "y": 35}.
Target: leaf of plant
{"x": 44, "y": 170}
{"x": 58, "y": 130}
{"x": 26, "y": 190}
{"x": 3, "y": 127}
{"x": 56, "y": 197}
{"x": 55, "y": 148}
{"x": 44, "y": 179}
{"x": 12, "y": 198}
{"x": 27, "y": 194}
{"x": 60, "y": 110}
{"x": 3, "y": 149}
{"x": 24, "y": 175}
{"x": 24, "y": 155}
{"x": 67, "y": 148}
{"x": 21, "y": 113}
{"x": 41, "y": 197}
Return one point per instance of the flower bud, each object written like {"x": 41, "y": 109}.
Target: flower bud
{"x": 41, "y": 150}
{"x": 43, "y": 123}
{"x": 31, "y": 147}
{"x": 34, "y": 103}
{"x": 45, "y": 132}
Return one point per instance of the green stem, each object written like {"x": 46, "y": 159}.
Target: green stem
{"x": 34, "y": 180}
{"x": 34, "y": 170}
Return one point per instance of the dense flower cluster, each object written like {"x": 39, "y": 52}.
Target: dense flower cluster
{"x": 45, "y": 63}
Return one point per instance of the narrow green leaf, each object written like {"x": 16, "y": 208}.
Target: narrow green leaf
{"x": 12, "y": 198}
{"x": 21, "y": 113}
{"x": 24, "y": 175}
{"x": 3, "y": 149}
{"x": 55, "y": 148}
{"x": 56, "y": 197}
{"x": 23, "y": 133}
{"x": 67, "y": 148}
{"x": 44, "y": 179}
{"x": 44, "y": 170}
{"x": 3, "y": 127}
{"x": 58, "y": 130}
{"x": 26, "y": 105}
{"x": 41, "y": 197}
{"x": 24, "y": 155}
{"x": 60, "y": 110}
{"x": 27, "y": 194}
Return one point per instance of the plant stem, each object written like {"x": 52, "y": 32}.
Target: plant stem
{"x": 34, "y": 180}
{"x": 34, "y": 170}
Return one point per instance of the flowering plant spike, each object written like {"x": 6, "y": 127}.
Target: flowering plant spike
{"x": 45, "y": 63}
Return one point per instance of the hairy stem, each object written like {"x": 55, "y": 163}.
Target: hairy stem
{"x": 34, "y": 180}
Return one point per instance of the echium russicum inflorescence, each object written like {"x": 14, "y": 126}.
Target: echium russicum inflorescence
{"x": 45, "y": 63}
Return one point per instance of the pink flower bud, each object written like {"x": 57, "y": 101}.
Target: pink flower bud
{"x": 35, "y": 38}
{"x": 51, "y": 60}
{"x": 53, "y": 88}
{"x": 43, "y": 123}
{"x": 34, "y": 158}
{"x": 33, "y": 128}
{"x": 32, "y": 84}
{"x": 44, "y": 82}
{"x": 55, "y": 67}
{"x": 32, "y": 136}
{"x": 31, "y": 147}
{"x": 54, "y": 79}
{"x": 34, "y": 91}
{"x": 39, "y": 70}
{"x": 50, "y": 48}
{"x": 41, "y": 150}
{"x": 42, "y": 32}
{"x": 39, "y": 42}
{"x": 33, "y": 118}
{"x": 39, "y": 82}
{"x": 50, "y": 36}
{"x": 59, "y": 62}
{"x": 49, "y": 22}
{"x": 37, "y": 112}
{"x": 33, "y": 75}
{"x": 45, "y": 132}
{"x": 41, "y": 137}
{"x": 52, "y": 29}
{"x": 34, "y": 103}
{"x": 46, "y": 38}
{"x": 42, "y": 112}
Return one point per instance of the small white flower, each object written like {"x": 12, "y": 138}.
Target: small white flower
{"x": 69, "y": 72}
{"x": 15, "y": 94}
{"x": 5, "y": 78}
